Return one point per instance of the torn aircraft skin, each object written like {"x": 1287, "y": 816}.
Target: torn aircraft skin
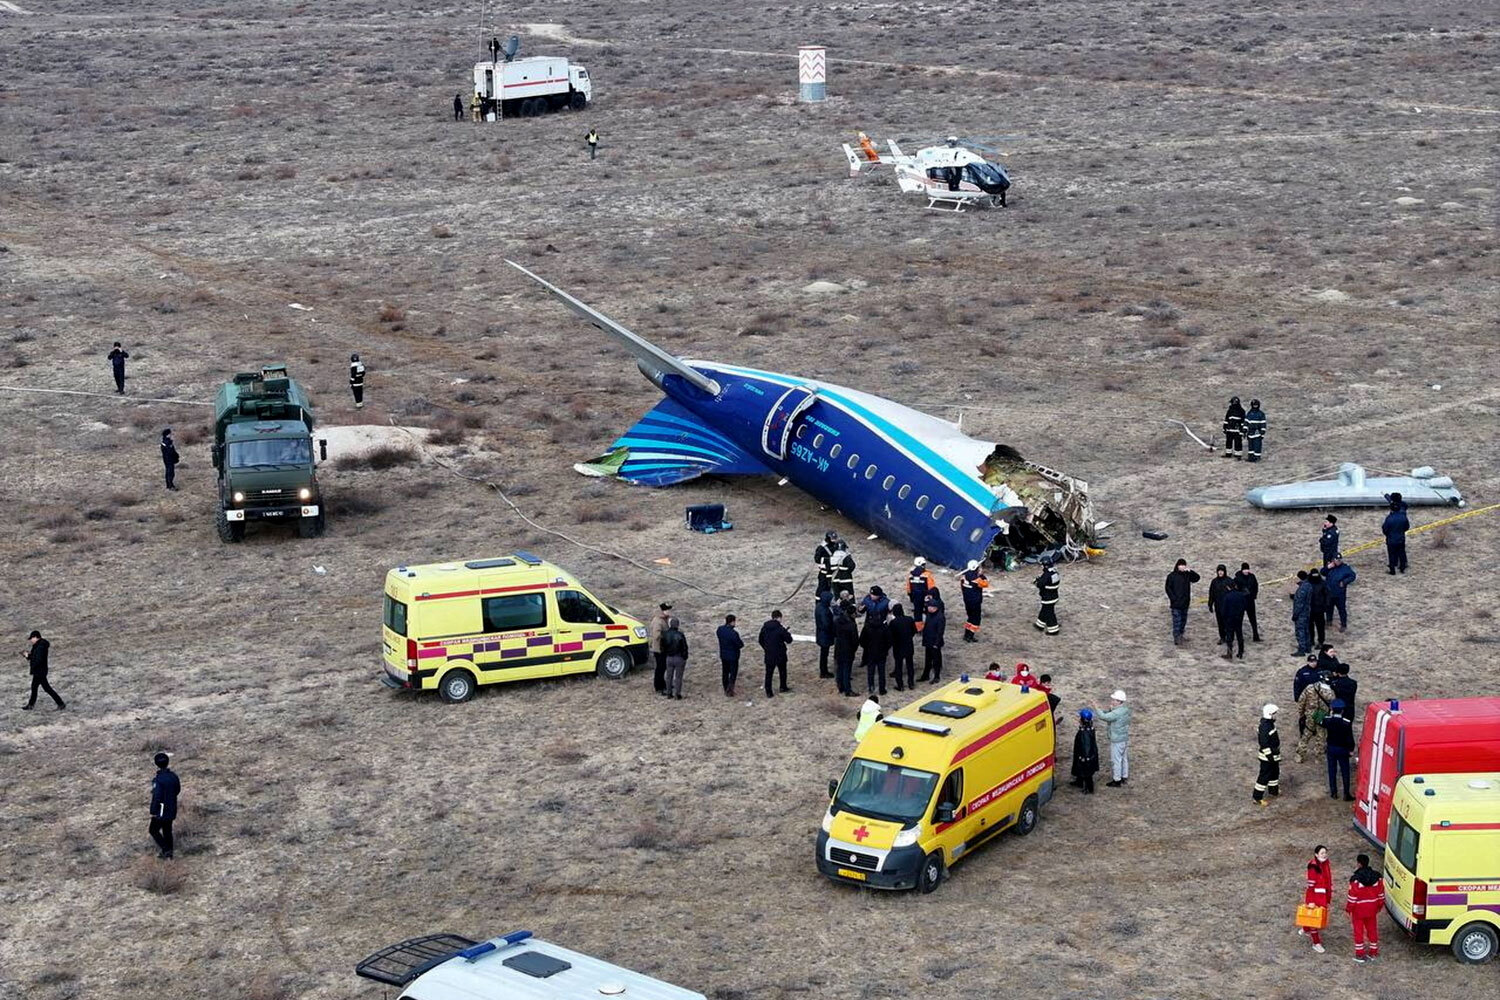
{"x": 909, "y": 477}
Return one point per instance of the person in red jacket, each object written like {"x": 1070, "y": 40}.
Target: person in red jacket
{"x": 1366, "y": 900}
{"x": 1319, "y": 891}
{"x": 1023, "y": 676}
{"x": 995, "y": 673}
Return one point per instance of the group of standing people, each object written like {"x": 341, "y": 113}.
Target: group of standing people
{"x": 1244, "y": 430}
{"x": 1363, "y": 901}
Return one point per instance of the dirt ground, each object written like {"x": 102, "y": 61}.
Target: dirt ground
{"x": 1289, "y": 201}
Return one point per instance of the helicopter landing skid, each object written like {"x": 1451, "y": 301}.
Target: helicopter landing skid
{"x": 945, "y": 204}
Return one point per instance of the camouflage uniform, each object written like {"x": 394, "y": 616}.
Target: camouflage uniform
{"x": 1311, "y": 708}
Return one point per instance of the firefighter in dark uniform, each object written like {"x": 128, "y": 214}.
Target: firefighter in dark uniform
{"x": 918, "y": 582}
{"x": 1268, "y": 780}
{"x": 843, "y": 573}
{"x": 357, "y": 381}
{"x": 1234, "y": 429}
{"x": 1255, "y": 431}
{"x": 971, "y": 586}
{"x": 1047, "y": 586}
{"x": 823, "y": 560}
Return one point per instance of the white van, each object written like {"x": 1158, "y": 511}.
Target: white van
{"x": 514, "y": 967}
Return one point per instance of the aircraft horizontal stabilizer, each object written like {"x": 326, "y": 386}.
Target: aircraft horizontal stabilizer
{"x": 670, "y": 445}
{"x": 653, "y": 361}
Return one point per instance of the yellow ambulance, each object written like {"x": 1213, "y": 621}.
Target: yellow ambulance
{"x": 935, "y": 780}
{"x": 450, "y": 627}
{"x": 1442, "y": 861}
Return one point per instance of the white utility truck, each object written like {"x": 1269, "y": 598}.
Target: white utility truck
{"x": 525, "y": 88}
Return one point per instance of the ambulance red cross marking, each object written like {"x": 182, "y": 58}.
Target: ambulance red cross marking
{"x": 861, "y": 834}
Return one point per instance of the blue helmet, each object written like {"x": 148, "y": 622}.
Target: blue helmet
{"x": 1086, "y": 714}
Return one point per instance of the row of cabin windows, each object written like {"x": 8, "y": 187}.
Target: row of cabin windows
{"x": 871, "y": 471}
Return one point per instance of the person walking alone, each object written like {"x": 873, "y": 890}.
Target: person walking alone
{"x": 36, "y": 654}
{"x": 1394, "y": 528}
{"x": 1234, "y": 429}
{"x": 1339, "y": 747}
{"x": 169, "y": 458}
{"x": 1268, "y": 779}
{"x": 357, "y": 381}
{"x": 902, "y": 633}
{"x": 117, "y": 356}
{"x": 1255, "y": 431}
{"x": 972, "y": 584}
{"x": 730, "y": 645}
{"x": 1364, "y": 902}
{"x": 1085, "y": 752}
{"x": 1180, "y": 597}
{"x": 593, "y": 142}
{"x": 165, "y": 787}
{"x": 774, "y": 639}
{"x": 1118, "y": 719}
{"x": 1048, "y": 584}
{"x": 1250, "y": 587}
{"x": 458, "y": 107}
{"x": 659, "y": 628}
{"x": 1318, "y": 892}
{"x": 674, "y": 647}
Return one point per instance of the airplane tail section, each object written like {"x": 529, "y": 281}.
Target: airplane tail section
{"x": 670, "y": 445}
{"x": 653, "y": 361}
{"x": 854, "y": 161}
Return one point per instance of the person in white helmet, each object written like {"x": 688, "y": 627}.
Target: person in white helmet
{"x": 971, "y": 585}
{"x": 1269, "y": 742}
{"x": 1118, "y": 718}
{"x": 918, "y": 582}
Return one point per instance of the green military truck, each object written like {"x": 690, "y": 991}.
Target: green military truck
{"x": 263, "y": 451}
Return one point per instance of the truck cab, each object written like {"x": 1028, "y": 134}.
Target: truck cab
{"x": 263, "y": 452}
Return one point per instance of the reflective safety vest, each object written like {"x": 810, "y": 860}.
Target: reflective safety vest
{"x": 869, "y": 714}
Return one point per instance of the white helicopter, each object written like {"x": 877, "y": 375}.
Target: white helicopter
{"x": 950, "y": 176}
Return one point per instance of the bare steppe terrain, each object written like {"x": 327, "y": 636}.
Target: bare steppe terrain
{"x": 1206, "y": 204}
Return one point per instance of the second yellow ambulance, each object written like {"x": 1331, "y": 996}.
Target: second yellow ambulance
{"x": 935, "y": 780}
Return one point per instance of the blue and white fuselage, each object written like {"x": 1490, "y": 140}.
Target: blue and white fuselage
{"x": 909, "y": 477}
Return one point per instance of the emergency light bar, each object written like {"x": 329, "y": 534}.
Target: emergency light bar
{"x": 484, "y": 948}
{"x": 917, "y": 725}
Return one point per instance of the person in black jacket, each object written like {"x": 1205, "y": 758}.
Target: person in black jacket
{"x": 934, "y": 624}
{"x": 674, "y": 647}
{"x": 902, "y": 632}
{"x": 874, "y": 639}
{"x": 1344, "y": 688}
{"x": 1322, "y": 604}
{"x": 1216, "y": 588}
{"x": 845, "y": 642}
{"x": 1268, "y": 741}
{"x": 1328, "y": 541}
{"x": 117, "y": 356}
{"x": 1234, "y": 429}
{"x": 1340, "y": 745}
{"x": 1250, "y": 587}
{"x": 1255, "y": 431}
{"x": 823, "y": 630}
{"x": 774, "y": 639}
{"x": 164, "y": 791}
{"x": 458, "y": 107}
{"x": 36, "y": 658}
{"x": 1085, "y": 752}
{"x": 169, "y": 457}
{"x": 1180, "y": 597}
{"x": 730, "y": 645}
{"x": 1394, "y": 528}
{"x": 1232, "y": 619}
{"x": 823, "y": 560}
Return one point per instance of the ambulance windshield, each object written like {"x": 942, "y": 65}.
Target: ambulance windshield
{"x": 885, "y": 791}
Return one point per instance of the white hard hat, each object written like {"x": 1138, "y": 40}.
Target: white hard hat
{"x": 973, "y": 563}
{"x": 919, "y": 561}
{"x": 1269, "y": 711}
{"x": 1119, "y": 695}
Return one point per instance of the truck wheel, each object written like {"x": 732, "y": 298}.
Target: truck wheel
{"x": 613, "y": 663}
{"x": 1027, "y": 817}
{"x": 931, "y": 872}
{"x": 578, "y": 102}
{"x": 531, "y": 107}
{"x": 1475, "y": 943}
{"x": 457, "y": 686}
{"x": 310, "y": 527}
{"x": 230, "y": 531}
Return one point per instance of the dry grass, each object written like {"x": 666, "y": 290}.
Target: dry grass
{"x": 160, "y": 878}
